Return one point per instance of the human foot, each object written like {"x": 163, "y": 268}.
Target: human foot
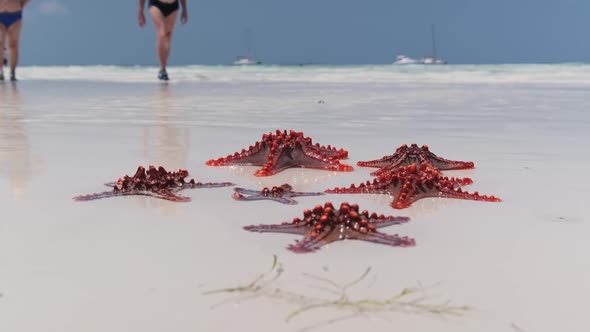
{"x": 163, "y": 75}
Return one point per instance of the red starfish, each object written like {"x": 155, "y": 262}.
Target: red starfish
{"x": 409, "y": 184}
{"x": 277, "y": 152}
{"x": 324, "y": 225}
{"x": 405, "y": 156}
{"x": 282, "y": 194}
{"x": 156, "y": 183}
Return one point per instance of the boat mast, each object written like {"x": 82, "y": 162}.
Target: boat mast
{"x": 248, "y": 41}
{"x": 433, "y": 41}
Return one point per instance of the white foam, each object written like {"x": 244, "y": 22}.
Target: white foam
{"x": 532, "y": 73}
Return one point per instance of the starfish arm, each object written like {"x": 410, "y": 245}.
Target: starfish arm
{"x": 245, "y": 191}
{"x": 388, "y": 221}
{"x": 312, "y": 240}
{"x": 406, "y": 196}
{"x": 382, "y": 238}
{"x": 378, "y": 186}
{"x": 460, "y": 182}
{"x": 193, "y": 185}
{"x": 259, "y": 197}
{"x": 392, "y": 161}
{"x": 282, "y": 194}
{"x": 166, "y": 195}
{"x": 323, "y": 161}
{"x": 386, "y": 169}
{"x": 446, "y": 164}
{"x": 405, "y": 199}
{"x": 357, "y": 190}
{"x": 460, "y": 194}
{"x": 256, "y": 155}
{"x": 161, "y": 194}
{"x": 106, "y": 194}
{"x": 286, "y": 227}
{"x": 276, "y": 162}
{"x": 303, "y": 194}
{"x": 330, "y": 151}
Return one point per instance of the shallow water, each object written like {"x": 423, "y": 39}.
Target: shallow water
{"x": 140, "y": 264}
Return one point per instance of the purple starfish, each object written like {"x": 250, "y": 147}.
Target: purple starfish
{"x": 282, "y": 194}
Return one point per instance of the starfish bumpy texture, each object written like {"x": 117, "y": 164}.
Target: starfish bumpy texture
{"x": 283, "y": 194}
{"x": 325, "y": 224}
{"x": 411, "y": 183}
{"x": 406, "y": 156}
{"x": 154, "y": 182}
{"x": 281, "y": 150}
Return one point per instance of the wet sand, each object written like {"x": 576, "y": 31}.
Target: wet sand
{"x": 141, "y": 264}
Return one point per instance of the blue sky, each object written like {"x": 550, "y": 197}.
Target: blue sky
{"x": 61, "y": 32}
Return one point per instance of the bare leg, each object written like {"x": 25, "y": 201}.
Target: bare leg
{"x": 169, "y": 24}
{"x": 164, "y": 28}
{"x": 2, "y": 43}
{"x": 158, "y": 20}
{"x": 13, "y": 39}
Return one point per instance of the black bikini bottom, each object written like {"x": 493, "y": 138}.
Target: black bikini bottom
{"x": 165, "y": 8}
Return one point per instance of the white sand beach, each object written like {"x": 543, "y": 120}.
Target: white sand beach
{"x": 141, "y": 264}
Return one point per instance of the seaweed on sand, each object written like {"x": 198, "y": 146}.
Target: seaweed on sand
{"x": 412, "y": 300}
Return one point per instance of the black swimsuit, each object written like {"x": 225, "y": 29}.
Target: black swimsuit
{"x": 165, "y": 8}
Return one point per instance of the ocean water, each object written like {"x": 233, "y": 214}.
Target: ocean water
{"x": 140, "y": 264}
{"x": 569, "y": 73}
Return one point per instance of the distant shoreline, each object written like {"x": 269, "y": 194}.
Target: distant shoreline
{"x": 312, "y": 65}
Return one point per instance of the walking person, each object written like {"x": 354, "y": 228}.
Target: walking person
{"x": 163, "y": 13}
{"x": 11, "y": 22}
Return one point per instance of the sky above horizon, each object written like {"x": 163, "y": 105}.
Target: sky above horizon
{"x": 86, "y": 32}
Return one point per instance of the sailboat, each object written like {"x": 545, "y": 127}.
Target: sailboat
{"x": 247, "y": 60}
{"x": 432, "y": 59}
{"x": 401, "y": 59}
{"x": 244, "y": 60}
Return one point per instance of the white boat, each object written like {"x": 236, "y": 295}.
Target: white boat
{"x": 404, "y": 60}
{"x": 432, "y": 59}
{"x": 425, "y": 60}
{"x": 247, "y": 60}
{"x": 243, "y": 60}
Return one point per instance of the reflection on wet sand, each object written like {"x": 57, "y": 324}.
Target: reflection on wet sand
{"x": 303, "y": 179}
{"x": 16, "y": 162}
{"x": 166, "y": 144}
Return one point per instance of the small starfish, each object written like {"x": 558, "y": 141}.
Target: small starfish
{"x": 324, "y": 225}
{"x": 409, "y": 184}
{"x": 154, "y": 182}
{"x": 282, "y": 150}
{"x": 405, "y": 156}
{"x": 282, "y": 194}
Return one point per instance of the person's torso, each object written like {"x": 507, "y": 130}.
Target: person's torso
{"x": 169, "y": 2}
{"x": 10, "y": 6}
